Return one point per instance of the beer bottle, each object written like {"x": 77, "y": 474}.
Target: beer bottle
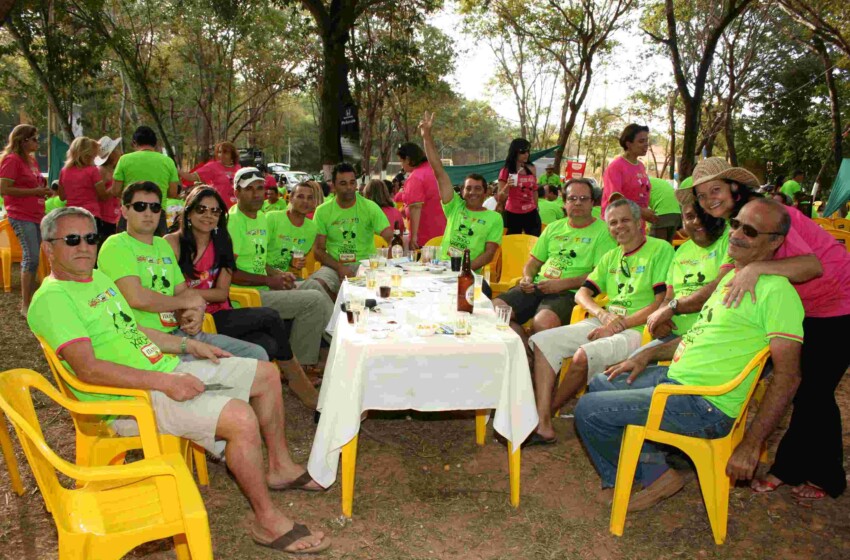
{"x": 465, "y": 284}
{"x": 396, "y": 242}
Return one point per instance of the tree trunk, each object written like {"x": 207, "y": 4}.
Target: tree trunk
{"x": 834, "y": 105}
{"x": 671, "y": 114}
{"x": 689, "y": 140}
{"x": 333, "y": 77}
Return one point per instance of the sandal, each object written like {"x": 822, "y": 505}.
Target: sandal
{"x": 298, "y": 531}
{"x": 817, "y": 493}
{"x": 764, "y": 486}
{"x": 299, "y": 483}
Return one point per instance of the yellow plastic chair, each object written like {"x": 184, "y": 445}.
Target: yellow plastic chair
{"x": 709, "y": 455}
{"x": 114, "y": 508}
{"x": 245, "y": 297}
{"x": 824, "y": 223}
{"x": 9, "y": 457}
{"x": 97, "y": 443}
{"x": 514, "y": 254}
{"x": 841, "y": 223}
{"x": 380, "y": 242}
{"x": 679, "y": 239}
{"x": 434, "y": 241}
{"x": 311, "y": 265}
{"x": 579, "y": 314}
{"x": 11, "y": 252}
{"x": 209, "y": 324}
{"x": 842, "y": 236}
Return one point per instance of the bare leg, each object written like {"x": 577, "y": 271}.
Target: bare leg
{"x": 574, "y": 380}
{"x": 299, "y": 382}
{"x": 544, "y": 381}
{"x": 517, "y": 328}
{"x": 28, "y": 286}
{"x": 238, "y": 424}
{"x": 545, "y": 320}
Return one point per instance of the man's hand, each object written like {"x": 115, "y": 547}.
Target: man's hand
{"x": 183, "y": 387}
{"x": 600, "y": 332}
{"x": 660, "y": 322}
{"x": 192, "y": 299}
{"x": 343, "y": 272}
{"x": 298, "y": 264}
{"x": 527, "y": 285}
{"x": 204, "y": 351}
{"x": 277, "y": 282}
{"x": 744, "y": 282}
{"x": 635, "y": 365}
{"x": 426, "y": 124}
{"x": 743, "y": 462}
{"x": 648, "y": 215}
{"x": 191, "y": 321}
{"x": 412, "y": 244}
{"x": 548, "y": 287}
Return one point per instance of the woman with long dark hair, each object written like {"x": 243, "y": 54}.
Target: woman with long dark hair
{"x": 204, "y": 251}
{"x": 518, "y": 190}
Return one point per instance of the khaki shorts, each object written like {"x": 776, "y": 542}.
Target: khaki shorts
{"x": 561, "y": 343}
{"x": 329, "y": 276}
{"x": 197, "y": 419}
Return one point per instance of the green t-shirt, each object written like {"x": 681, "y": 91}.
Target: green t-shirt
{"x": 596, "y": 212}
{"x": 279, "y": 205}
{"x": 693, "y": 267}
{"x": 662, "y": 197}
{"x": 549, "y": 179}
{"x": 350, "y": 231}
{"x": 632, "y": 280}
{"x": 146, "y": 165}
{"x": 550, "y": 210}
{"x": 53, "y": 203}
{"x": 64, "y": 311}
{"x": 790, "y": 187}
{"x": 284, "y": 237}
{"x": 567, "y": 252}
{"x": 723, "y": 340}
{"x": 688, "y": 183}
{"x": 466, "y": 229}
{"x": 155, "y": 265}
{"x": 250, "y": 243}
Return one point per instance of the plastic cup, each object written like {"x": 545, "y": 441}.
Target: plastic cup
{"x": 503, "y": 317}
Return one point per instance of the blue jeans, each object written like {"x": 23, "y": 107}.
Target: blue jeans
{"x": 609, "y": 406}
{"x": 239, "y": 348}
{"x": 29, "y": 236}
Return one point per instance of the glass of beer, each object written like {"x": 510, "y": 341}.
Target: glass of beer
{"x": 479, "y": 284}
{"x": 463, "y": 323}
{"x": 503, "y": 317}
{"x": 372, "y": 278}
{"x": 396, "y": 278}
{"x": 373, "y": 261}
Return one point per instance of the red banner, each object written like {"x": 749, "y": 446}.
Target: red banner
{"x": 574, "y": 170}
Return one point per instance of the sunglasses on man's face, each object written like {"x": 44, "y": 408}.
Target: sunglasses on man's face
{"x": 749, "y": 230}
{"x": 202, "y": 209}
{"x": 73, "y": 239}
{"x": 140, "y": 207}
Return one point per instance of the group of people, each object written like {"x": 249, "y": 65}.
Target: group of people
{"x": 126, "y": 309}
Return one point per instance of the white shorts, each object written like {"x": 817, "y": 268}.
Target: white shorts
{"x": 562, "y": 342}
{"x": 197, "y": 419}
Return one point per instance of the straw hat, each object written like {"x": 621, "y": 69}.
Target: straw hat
{"x": 107, "y": 146}
{"x": 713, "y": 168}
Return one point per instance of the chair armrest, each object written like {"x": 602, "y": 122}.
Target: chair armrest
{"x": 139, "y": 409}
{"x": 507, "y": 284}
{"x": 209, "y": 324}
{"x": 246, "y": 297}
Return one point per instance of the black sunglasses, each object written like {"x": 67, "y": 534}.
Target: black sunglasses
{"x": 73, "y": 239}
{"x": 155, "y": 207}
{"x": 624, "y": 268}
{"x": 523, "y": 150}
{"x": 202, "y": 209}
{"x": 251, "y": 175}
{"x": 749, "y": 230}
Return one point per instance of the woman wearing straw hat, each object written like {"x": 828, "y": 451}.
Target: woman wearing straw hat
{"x": 810, "y": 455}
{"x": 110, "y": 208}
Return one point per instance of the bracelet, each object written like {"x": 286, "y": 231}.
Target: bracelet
{"x": 183, "y": 342}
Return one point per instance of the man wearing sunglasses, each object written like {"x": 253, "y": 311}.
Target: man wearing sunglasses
{"x": 144, "y": 268}
{"x": 633, "y": 275}
{"x": 559, "y": 264}
{"x": 714, "y": 351}
{"x": 83, "y": 315}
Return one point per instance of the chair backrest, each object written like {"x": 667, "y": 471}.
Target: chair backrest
{"x": 16, "y": 401}
{"x": 311, "y": 265}
{"x": 9, "y": 239}
{"x": 515, "y": 251}
{"x": 209, "y": 324}
{"x": 380, "y": 242}
{"x": 842, "y": 236}
{"x": 434, "y": 241}
{"x": 245, "y": 297}
{"x": 823, "y": 222}
{"x": 841, "y": 223}
{"x": 757, "y": 364}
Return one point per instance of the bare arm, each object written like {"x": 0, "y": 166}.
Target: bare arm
{"x": 780, "y": 392}
{"x": 172, "y": 190}
{"x": 639, "y": 317}
{"x": 797, "y": 269}
{"x": 387, "y": 234}
{"x": 100, "y": 189}
{"x": 584, "y": 297}
{"x": 7, "y": 188}
{"x": 485, "y": 257}
{"x": 142, "y": 298}
{"x": 414, "y": 212}
{"x": 445, "y": 184}
{"x": 531, "y": 268}
{"x": 321, "y": 253}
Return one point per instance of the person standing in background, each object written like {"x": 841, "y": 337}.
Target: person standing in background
{"x": 218, "y": 172}
{"x": 518, "y": 190}
{"x": 421, "y": 196}
{"x": 627, "y": 175}
{"x": 110, "y": 208}
{"x": 80, "y": 183}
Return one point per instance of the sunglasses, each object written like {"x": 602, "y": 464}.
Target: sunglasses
{"x": 73, "y": 239}
{"x": 202, "y": 209}
{"x": 624, "y": 268}
{"x": 523, "y": 151}
{"x": 155, "y": 207}
{"x": 749, "y": 230}
{"x": 251, "y": 175}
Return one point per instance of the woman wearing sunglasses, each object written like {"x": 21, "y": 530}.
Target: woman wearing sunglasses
{"x": 24, "y": 190}
{"x": 204, "y": 252}
{"x": 810, "y": 455}
{"x": 518, "y": 190}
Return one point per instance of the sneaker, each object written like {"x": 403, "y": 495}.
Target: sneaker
{"x": 665, "y": 486}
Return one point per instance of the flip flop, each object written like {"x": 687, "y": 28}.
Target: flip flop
{"x": 819, "y": 493}
{"x": 287, "y": 539}
{"x": 537, "y": 439}
{"x": 299, "y": 483}
{"x": 767, "y": 486}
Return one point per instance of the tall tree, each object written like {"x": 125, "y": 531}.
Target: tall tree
{"x": 690, "y": 32}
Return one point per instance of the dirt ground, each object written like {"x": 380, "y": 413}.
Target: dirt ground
{"x": 425, "y": 490}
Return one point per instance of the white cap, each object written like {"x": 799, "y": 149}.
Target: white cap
{"x": 107, "y": 146}
{"x": 246, "y": 176}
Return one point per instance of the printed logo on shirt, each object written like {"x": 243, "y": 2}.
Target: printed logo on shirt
{"x": 100, "y": 298}
{"x": 125, "y": 325}
{"x": 159, "y": 282}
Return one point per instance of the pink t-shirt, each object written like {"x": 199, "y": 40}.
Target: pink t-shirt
{"x": 26, "y": 176}
{"x": 394, "y": 216}
{"x": 220, "y": 177}
{"x": 207, "y": 277}
{"x": 628, "y": 179}
{"x": 78, "y": 183}
{"x": 422, "y": 187}
{"x": 829, "y": 294}
{"x": 521, "y": 197}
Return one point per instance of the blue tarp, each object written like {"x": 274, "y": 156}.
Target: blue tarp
{"x": 840, "y": 192}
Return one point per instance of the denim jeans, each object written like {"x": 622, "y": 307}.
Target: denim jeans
{"x": 238, "y": 348}
{"x": 609, "y": 406}
{"x": 29, "y": 236}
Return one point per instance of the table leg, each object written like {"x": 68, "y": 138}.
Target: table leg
{"x": 349, "y": 461}
{"x": 480, "y": 425}
{"x": 9, "y": 456}
{"x": 513, "y": 468}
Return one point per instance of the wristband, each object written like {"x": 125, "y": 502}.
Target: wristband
{"x": 183, "y": 342}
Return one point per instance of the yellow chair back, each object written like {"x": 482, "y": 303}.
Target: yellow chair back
{"x": 311, "y": 265}
{"x": 434, "y": 241}
{"x": 115, "y": 508}
{"x": 209, "y": 324}
{"x": 842, "y": 236}
{"x": 245, "y": 297}
{"x": 841, "y": 223}
{"x": 380, "y": 242}
{"x": 823, "y": 222}
{"x": 510, "y": 261}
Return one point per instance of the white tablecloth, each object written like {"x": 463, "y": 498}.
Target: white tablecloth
{"x": 487, "y": 370}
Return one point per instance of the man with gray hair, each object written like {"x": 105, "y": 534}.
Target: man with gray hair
{"x": 633, "y": 275}
{"x": 83, "y": 316}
